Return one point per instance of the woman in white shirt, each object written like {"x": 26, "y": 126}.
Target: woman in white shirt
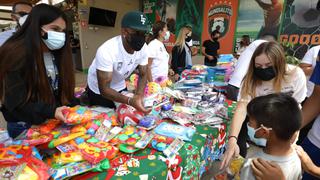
{"x": 158, "y": 63}
{"x": 268, "y": 73}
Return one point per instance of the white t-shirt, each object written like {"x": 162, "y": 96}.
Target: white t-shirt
{"x": 290, "y": 165}
{"x": 243, "y": 63}
{"x": 5, "y": 35}
{"x": 310, "y": 58}
{"x": 112, "y": 57}
{"x": 294, "y": 85}
{"x": 160, "y": 56}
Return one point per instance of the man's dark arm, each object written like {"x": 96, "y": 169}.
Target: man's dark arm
{"x": 142, "y": 80}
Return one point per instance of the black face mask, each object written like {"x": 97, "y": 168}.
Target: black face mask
{"x": 215, "y": 39}
{"x": 265, "y": 74}
{"x": 136, "y": 42}
{"x": 188, "y": 38}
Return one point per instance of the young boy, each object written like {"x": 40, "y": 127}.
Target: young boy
{"x": 275, "y": 118}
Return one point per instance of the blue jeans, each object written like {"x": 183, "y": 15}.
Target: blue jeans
{"x": 314, "y": 153}
{"x": 16, "y": 128}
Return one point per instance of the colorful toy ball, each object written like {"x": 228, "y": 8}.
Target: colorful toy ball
{"x": 152, "y": 88}
{"x": 163, "y": 81}
{"x": 134, "y": 79}
{"x": 127, "y": 115}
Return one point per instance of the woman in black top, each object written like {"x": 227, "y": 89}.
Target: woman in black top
{"x": 36, "y": 70}
{"x": 181, "y": 52}
{"x": 210, "y": 49}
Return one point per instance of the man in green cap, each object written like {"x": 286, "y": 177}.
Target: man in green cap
{"x": 115, "y": 60}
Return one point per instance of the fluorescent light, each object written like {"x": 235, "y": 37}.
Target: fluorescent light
{"x": 6, "y": 8}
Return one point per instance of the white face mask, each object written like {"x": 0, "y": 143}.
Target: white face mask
{"x": 55, "y": 40}
{"x": 167, "y": 36}
{"x": 190, "y": 43}
{"x": 257, "y": 141}
{"x": 22, "y": 20}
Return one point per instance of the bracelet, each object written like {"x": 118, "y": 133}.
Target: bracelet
{"x": 129, "y": 101}
{"x": 233, "y": 137}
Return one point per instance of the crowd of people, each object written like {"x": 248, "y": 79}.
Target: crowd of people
{"x": 275, "y": 99}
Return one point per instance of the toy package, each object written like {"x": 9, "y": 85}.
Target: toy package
{"x": 148, "y": 122}
{"x": 160, "y": 143}
{"x": 173, "y": 148}
{"x": 78, "y": 115}
{"x": 175, "y": 131}
{"x": 14, "y": 154}
{"x": 65, "y": 158}
{"x": 70, "y": 170}
{"x": 128, "y": 138}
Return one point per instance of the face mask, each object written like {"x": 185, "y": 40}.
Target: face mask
{"x": 188, "y": 38}
{"x": 265, "y": 74}
{"x": 136, "y": 42}
{"x": 55, "y": 40}
{"x": 167, "y": 36}
{"x": 257, "y": 141}
{"x": 22, "y": 20}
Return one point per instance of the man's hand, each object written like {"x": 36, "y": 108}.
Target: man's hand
{"x": 137, "y": 103}
{"x": 264, "y": 170}
{"x": 210, "y": 57}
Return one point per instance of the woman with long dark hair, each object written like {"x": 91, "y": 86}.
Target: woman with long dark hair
{"x": 36, "y": 73}
{"x": 158, "y": 62}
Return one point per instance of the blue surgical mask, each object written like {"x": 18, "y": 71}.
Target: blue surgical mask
{"x": 257, "y": 141}
{"x": 55, "y": 40}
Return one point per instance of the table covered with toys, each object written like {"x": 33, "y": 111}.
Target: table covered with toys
{"x": 183, "y": 134}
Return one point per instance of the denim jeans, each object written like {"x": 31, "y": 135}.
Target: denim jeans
{"x": 16, "y": 128}
{"x": 314, "y": 154}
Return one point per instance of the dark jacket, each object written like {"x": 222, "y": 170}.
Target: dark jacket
{"x": 178, "y": 63}
{"x": 14, "y": 107}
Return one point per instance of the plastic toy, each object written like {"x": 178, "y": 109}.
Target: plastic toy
{"x": 41, "y": 139}
{"x": 78, "y": 115}
{"x": 175, "y": 131}
{"x": 129, "y": 137}
{"x": 160, "y": 143}
{"x": 173, "y": 148}
{"x": 127, "y": 115}
{"x": 151, "y": 88}
{"x": 148, "y": 122}
{"x": 163, "y": 81}
{"x": 65, "y": 158}
{"x": 64, "y": 138}
{"x": 14, "y": 154}
{"x": 133, "y": 80}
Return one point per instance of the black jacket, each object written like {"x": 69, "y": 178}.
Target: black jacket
{"x": 14, "y": 107}
{"x": 178, "y": 59}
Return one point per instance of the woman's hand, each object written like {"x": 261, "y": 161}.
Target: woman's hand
{"x": 232, "y": 151}
{"x": 306, "y": 162}
{"x": 264, "y": 170}
{"x": 59, "y": 113}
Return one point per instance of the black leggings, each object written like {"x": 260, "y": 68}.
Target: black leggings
{"x": 99, "y": 100}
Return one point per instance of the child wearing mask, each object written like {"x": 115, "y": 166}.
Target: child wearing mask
{"x": 268, "y": 73}
{"x": 275, "y": 118}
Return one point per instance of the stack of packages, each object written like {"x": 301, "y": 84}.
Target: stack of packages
{"x": 93, "y": 139}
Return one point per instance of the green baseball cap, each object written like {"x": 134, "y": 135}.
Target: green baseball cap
{"x": 135, "y": 20}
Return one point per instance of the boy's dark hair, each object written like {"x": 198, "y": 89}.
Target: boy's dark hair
{"x": 18, "y": 3}
{"x": 213, "y": 33}
{"x": 279, "y": 111}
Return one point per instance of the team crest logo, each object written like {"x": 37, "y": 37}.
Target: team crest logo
{"x": 219, "y": 16}
{"x": 119, "y": 66}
